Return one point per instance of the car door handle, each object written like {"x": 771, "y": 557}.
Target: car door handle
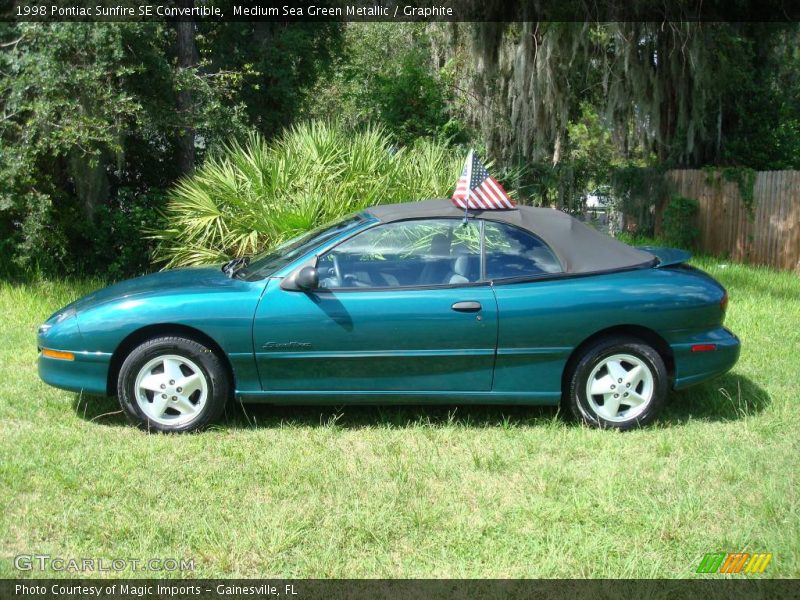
{"x": 466, "y": 306}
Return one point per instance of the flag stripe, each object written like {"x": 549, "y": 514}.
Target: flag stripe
{"x": 480, "y": 192}
{"x": 487, "y": 193}
{"x": 487, "y": 190}
{"x": 478, "y": 202}
{"x": 501, "y": 192}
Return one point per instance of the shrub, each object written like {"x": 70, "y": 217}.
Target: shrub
{"x": 256, "y": 194}
{"x": 118, "y": 247}
{"x": 679, "y": 225}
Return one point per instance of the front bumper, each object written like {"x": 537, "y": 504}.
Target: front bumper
{"x": 88, "y": 372}
{"x": 696, "y": 367}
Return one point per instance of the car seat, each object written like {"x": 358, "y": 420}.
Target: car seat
{"x": 436, "y": 268}
{"x": 461, "y": 266}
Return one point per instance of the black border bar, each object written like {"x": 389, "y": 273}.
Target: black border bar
{"x": 402, "y": 10}
{"x": 356, "y": 589}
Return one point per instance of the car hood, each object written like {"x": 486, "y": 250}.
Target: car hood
{"x": 176, "y": 281}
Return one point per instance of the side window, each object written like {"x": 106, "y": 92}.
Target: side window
{"x": 512, "y": 252}
{"x": 406, "y": 253}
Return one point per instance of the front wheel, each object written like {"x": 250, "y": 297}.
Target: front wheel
{"x": 619, "y": 383}
{"x": 173, "y": 384}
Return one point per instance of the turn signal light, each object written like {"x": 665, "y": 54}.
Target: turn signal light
{"x": 704, "y": 347}
{"x": 58, "y": 354}
{"x": 723, "y": 304}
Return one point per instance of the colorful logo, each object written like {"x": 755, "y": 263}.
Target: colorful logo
{"x": 734, "y": 562}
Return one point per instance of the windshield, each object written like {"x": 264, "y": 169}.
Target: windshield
{"x": 266, "y": 263}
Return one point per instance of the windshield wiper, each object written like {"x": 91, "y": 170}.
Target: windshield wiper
{"x": 232, "y": 267}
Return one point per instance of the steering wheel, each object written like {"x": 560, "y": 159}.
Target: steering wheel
{"x": 337, "y": 270}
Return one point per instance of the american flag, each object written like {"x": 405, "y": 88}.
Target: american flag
{"x": 478, "y": 190}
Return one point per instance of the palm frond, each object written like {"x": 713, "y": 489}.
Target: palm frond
{"x": 255, "y": 194}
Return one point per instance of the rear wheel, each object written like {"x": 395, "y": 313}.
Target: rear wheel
{"x": 619, "y": 383}
{"x": 173, "y": 384}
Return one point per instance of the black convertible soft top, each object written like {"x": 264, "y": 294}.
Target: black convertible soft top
{"x": 580, "y": 248}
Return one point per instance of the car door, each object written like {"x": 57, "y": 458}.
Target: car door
{"x": 401, "y": 308}
{"x": 537, "y": 327}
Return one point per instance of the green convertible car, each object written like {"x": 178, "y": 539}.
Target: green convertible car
{"x": 407, "y": 303}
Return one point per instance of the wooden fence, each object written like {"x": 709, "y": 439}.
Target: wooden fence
{"x": 768, "y": 236}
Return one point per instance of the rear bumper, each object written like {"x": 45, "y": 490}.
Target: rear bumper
{"x": 696, "y": 367}
{"x": 87, "y": 373}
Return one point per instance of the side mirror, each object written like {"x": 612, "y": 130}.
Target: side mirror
{"x": 307, "y": 278}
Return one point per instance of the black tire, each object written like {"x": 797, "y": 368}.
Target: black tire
{"x": 214, "y": 394}
{"x": 589, "y": 410}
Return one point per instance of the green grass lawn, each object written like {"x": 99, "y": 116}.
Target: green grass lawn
{"x": 407, "y": 491}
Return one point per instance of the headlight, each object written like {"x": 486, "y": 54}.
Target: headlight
{"x": 56, "y": 319}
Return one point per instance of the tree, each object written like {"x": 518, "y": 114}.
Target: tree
{"x": 403, "y": 90}
{"x": 276, "y": 65}
{"x": 671, "y": 90}
{"x": 187, "y": 59}
{"x": 89, "y": 111}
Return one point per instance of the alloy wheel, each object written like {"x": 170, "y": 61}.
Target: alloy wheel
{"x": 171, "y": 390}
{"x": 620, "y": 387}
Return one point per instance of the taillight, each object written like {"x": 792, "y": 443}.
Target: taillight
{"x": 723, "y": 304}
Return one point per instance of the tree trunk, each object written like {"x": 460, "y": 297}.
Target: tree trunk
{"x": 187, "y": 59}
{"x": 557, "y": 149}
{"x": 91, "y": 181}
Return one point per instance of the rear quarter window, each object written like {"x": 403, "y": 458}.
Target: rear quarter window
{"x": 513, "y": 252}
